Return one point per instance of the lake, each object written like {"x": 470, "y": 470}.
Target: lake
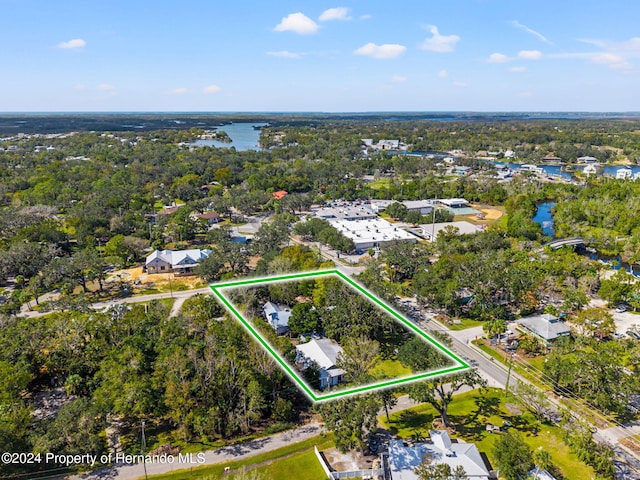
{"x": 243, "y": 137}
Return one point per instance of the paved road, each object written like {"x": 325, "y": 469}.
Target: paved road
{"x": 211, "y": 457}
{"x": 627, "y": 463}
{"x": 179, "y": 296}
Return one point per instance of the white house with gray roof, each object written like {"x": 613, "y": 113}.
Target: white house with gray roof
{"x": 545, "y": 326}
{"x": 277, "y": 316}
{"x": 180, "y": 262}
{"x": 404, "y": 458}
{"x": 324, "y": 352}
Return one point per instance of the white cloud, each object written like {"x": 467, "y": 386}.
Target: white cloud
{"x": 337, "y": 13}
{"x": 631, "y": 45}
{"x": 298, "y": 23}
{"x": 212, "y": 89}
{"x": 75, "y": 43}
{"x": 105, "y": 87}
{"x": 519, "y": 25}
{"x": 79, "y": 86}
{"x": 284, "y": 54}
{"x": 460, "y": 84}
{"x": 530, "y": 54}
{"x": 592, "y": 41}
{"x": 613, "y": 61}
{"x": 439, "y": 43}
{"x": 178, "y": 91}
{"x": 525, "y": 94}
{"x": 366, "y": 16}
{"x": 383, "y": 52}
{"x": 398, "y": 79}
{"x": 518, "y": 69}
{"x": 443, "y": 74}
{"x": 498, "y": 58}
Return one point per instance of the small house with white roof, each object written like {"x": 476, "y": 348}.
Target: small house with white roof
{"x": 324, "y": 352}
{"x": 277, "y": 316}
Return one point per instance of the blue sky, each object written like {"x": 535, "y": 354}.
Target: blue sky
{"x": 358, "y": 56}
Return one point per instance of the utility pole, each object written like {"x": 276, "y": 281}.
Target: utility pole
{"x": 506, "y": 387}
{"x": 143, "y": 447}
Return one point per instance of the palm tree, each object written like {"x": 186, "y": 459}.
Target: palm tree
{"x": 543, "y": 461}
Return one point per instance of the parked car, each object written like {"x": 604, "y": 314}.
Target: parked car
{"x": 621, "y": 309}
{"x": 633, "y": 334}
{"x": 374, "y": 444}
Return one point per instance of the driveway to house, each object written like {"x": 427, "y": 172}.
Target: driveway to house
{"x": 233, "y": 452}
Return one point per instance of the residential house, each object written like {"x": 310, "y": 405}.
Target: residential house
{"x": 545, "y": 326}
{"x": 461, "y": 170}
{"x": 404, "y": 458}
{"x": 592, "y": 169}
{"x": 324, "y": 352}
{"x": 624, "y": 173}
{"x": 277, "y": 316}
{"x": 587, "y": 159}
{"x": 211, "y": 218}
{"x": 179, "y": 262}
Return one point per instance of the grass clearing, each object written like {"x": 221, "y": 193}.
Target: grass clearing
{"x": 472, "y": 411}
{"x": 464, "y": 323}
{"x": 389, "y": 368}
{"x": 281, "y": 459}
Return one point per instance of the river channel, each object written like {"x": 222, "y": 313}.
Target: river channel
{"x": 544, "y": 216}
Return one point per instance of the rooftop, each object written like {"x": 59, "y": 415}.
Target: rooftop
{"x": 545, "y": 326}
{"x": 404, "y": 458}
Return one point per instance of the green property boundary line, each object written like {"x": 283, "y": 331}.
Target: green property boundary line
{"x": 459, "y": 366}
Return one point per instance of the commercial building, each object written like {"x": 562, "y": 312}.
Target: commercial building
{"x": 372, "y": 232}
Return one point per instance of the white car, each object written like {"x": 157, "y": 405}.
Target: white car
{"x": 621, "y": 309}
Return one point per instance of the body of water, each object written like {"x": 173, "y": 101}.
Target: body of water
{"x": 243, "y": 137}
{"x": 544, "y": 216}
{"x": 557, "y": 169}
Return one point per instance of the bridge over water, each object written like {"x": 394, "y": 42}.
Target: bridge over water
{"x": 561, "y": 242}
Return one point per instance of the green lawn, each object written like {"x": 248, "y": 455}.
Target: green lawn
{"x": 464, "y": 323}
{"x": 304, "y": 466}
{"x": 282, "y": 461}
{"x": 380, "y": 183}
{"x": 390, "y": 368}
{"x": 471, "y": 412}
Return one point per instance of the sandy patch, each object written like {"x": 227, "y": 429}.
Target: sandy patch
{"x": 490, "y": 213}
{"x": 344, "y": 462}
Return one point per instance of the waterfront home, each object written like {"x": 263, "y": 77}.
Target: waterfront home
{"x": 592, "y": 169}
{"x": 587, "y": 159}
{"x": 624, "y": 173}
